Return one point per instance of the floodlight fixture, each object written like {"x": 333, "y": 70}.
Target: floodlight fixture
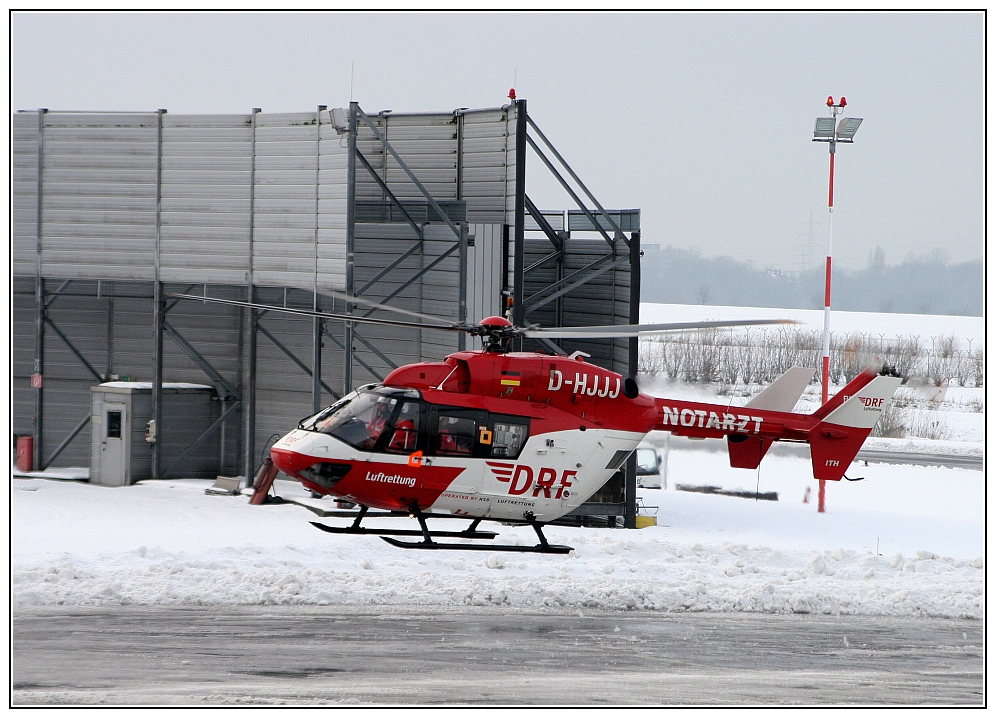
{"x": 847, "y": 128}
{"x": 824, "y": 128}
{"x": 340, "y": 120}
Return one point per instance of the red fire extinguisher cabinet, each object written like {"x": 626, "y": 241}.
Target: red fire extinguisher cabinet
{"x": 25, "y": 453}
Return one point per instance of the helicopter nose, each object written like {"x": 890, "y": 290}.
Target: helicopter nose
{"x": 307, "y": 468}
{"x": 287, "y": 461}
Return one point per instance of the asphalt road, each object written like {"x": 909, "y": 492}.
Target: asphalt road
{"x": 926, "y": 459}
{"x": 479, "y": 656}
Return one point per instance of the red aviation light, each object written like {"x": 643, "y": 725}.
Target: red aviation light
{"x": 829, "y": 100}
{"x": 843, "y": 102}
{"x": 511, "y": 94}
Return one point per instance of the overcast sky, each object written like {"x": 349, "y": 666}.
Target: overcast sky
{"x": 704, "y": 121}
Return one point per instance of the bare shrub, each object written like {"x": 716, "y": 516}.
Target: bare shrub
{"x": 927, "y": 424}
{"x": 908, "y": 415}
{"x": 978, "y": 366}
{"x": 674, "y": 353}
{"x": 907, "y": 355}
{"x": 704, "y": 354}
{"x": 761, "y": 356}
{"x": 893, "y": 423}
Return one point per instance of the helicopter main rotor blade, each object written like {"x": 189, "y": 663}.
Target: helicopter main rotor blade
{"x": 644, "y": 329}
{"x": 455, "y": 327}
{"x": 383, "y": 306}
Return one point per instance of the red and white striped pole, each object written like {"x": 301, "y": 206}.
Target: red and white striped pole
{"x": 834, "y": 109}
{"x": 822, "y": 500}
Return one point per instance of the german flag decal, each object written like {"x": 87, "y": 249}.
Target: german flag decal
{"x": 511, "y": 378}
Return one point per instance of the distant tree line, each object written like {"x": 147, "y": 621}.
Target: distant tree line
{"x": 919, "y": 284}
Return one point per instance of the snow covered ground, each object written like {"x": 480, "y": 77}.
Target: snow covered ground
{"x": 905, "y": 540}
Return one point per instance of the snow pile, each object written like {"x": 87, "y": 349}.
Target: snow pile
{"x": 614, "y": 571}
{"x": 165, "y": 543}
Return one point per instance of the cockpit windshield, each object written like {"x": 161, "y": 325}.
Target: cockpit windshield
{"x": 359, "y": 420}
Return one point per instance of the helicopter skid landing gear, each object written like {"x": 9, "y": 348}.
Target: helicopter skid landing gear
{"x": 432, "y": 545}
{"x": 355, "y": 529}
{"x": 427, "y": 543}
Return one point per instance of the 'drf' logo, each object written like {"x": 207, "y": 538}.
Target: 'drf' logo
{"x": 520, "y": 478}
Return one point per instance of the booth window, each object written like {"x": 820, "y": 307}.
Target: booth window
{"x": 114, "y": 424}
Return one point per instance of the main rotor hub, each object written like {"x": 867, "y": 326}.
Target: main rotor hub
{"x": 495, "y": 322}
{"x": 497, "y": 332}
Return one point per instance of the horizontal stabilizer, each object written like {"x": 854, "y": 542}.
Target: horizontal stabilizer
{"x": 863, "y": 409}
{"x": 784, "y": 392}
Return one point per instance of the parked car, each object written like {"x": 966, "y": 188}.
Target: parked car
{"x": 648, "y": 468}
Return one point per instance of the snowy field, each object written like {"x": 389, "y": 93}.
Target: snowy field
{"x": 963, "y": 328}
{"x": 905, "y": 540}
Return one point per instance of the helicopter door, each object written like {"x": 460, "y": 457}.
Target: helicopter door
{"x": 459, "y": 439}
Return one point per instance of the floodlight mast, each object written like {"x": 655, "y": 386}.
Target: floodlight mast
{"x": 828, "y": 130}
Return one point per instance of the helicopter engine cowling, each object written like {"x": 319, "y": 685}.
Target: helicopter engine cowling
{"x": 420, "y": 375}
{"x": 452, "y": 376}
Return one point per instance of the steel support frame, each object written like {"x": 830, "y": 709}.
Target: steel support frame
{"x": 341, "y": 345}
{"x": 65, "y": 442}
{"x": 69, "y": 344}
{"x": 563, "y": 284}
{"x": 39, "y": 367}
{"x": 158, "y": 311}
{"x": 42, "y": 303}
{"x": 347, "y": 364}
{"x": 352, "y": 336}
{"x": 318, "y": 325}
{"x": 251, "y": 318}
{"x": 226, "y": 389}
{"x": 204, "y": 435}
{"x": 301, "y": 365}
{"x": 42, "y": 463}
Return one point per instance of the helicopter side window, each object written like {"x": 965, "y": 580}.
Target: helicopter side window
{"x": 455, "y": 436}
{"x": 508, "y": 439}
{"x": 404, "y": 435}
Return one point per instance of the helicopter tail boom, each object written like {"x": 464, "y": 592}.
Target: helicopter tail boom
{"x": 835, "y": 431}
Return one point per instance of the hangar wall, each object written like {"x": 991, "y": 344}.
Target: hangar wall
{"x": 115, "y": 212}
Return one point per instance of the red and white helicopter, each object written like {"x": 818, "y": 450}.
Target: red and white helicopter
{"x": 528, "y": 437}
